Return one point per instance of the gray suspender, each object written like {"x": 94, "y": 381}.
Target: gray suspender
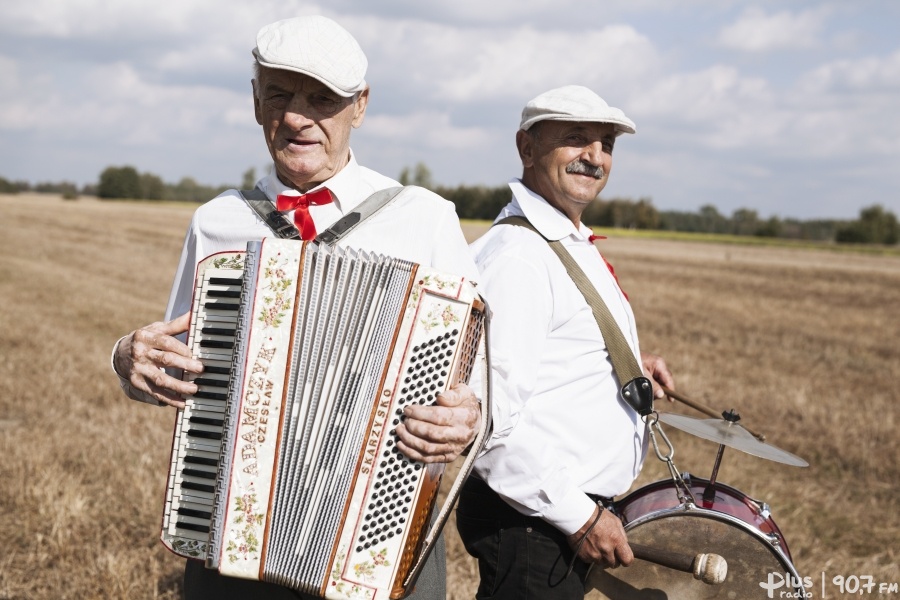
{"x": 636, "y": 388}
{"x": 265, "y": 208}
{"x": 284, "y": 228}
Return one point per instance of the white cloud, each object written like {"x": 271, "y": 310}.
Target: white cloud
{"x": 164, "y": 84}
{"x": 114, "y": 103}
{"x": 426, "y": 129}
{"x": 756, "y": 31}
{"x": 476, "y": 64}
{"x": 867, "y": 74}
{"x": 523, "y": 62}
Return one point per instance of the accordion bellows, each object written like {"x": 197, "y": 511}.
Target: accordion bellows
{"x": 284, "y": 465}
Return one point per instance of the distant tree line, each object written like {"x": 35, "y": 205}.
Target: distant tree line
{"x": 66, "y": 188}
{"x": 126, "y": 183}
{"x": 875, "y": 224}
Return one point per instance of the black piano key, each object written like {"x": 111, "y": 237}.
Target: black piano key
{"x": 225, "y": 331}
{"x": 217, "y": 370}
{"x": 200, "y": 487}
{"x": 223, "y": 306}
{"x": 211, "y": 395}
{"x": 209, "y": 435}
{"x": 223, "y": 293}
{"x": 192, "y": 526}
{"x": 221, "y": 383}
{"x": 200, "y": 460}
{"x": 207, "y": 421}
{"x": 197, "y": 473}
{"x": 225, "y": 281}
{"x": 192, "y": 512}
{"x": 216, "y": 344}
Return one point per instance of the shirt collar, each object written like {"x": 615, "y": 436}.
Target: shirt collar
{"x": 548, "y": 220}
{"x": 343, "y": 185}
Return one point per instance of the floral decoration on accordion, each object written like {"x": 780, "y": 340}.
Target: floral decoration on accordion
{"x": 436, "y": 316}
{"x": 345, "y": 588}
{"x": 432, "y": 282}
{"x": 233, "y": 261}
{"x": 276, "y": 302}
{"x": 245, "y": 543}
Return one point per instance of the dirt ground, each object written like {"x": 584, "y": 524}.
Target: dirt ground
{"x": 803, "y": 343}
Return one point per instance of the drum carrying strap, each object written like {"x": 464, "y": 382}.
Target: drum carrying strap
{"x": 637, "y": 389}
{"x": 284, "y": 228}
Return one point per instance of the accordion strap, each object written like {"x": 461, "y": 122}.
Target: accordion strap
{"x": 284, "y": 228}
{"x": 277, "y": 221}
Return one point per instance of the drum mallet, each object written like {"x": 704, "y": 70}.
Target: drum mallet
{"x": 708, "y": 568}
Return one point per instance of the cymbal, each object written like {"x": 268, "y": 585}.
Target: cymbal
{"x": 732, "y": 435}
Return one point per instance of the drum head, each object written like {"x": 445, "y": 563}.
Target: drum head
{"x": 750, "y": 557}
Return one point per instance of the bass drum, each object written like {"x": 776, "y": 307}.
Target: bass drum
{"x": 727, "y": 523}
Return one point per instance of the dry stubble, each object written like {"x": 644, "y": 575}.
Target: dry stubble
{"x": 801, "y": 343}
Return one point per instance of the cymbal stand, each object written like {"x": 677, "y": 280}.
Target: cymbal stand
{"x": 709, "y": 494}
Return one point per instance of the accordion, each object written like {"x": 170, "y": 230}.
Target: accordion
{"x": 284, "y": 464}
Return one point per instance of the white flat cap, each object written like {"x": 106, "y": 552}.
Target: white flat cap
{"x": 574, "y": 103}
{"x": 314, "y": 46}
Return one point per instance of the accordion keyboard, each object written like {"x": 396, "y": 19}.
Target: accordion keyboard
{"x": 192, "y": 477}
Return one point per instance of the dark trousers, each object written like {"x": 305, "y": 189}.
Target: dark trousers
{"x": 519, "y": 557}
{"x": 201, "y": 583}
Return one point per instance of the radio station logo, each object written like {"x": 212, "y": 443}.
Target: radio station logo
{"x": 777, "y": 581}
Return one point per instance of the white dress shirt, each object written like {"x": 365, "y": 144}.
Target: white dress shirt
{"x": 420, "y": 226}
{"x": 561, "y": 427}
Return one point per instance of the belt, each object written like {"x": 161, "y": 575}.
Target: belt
{"x": 477, "y": 485}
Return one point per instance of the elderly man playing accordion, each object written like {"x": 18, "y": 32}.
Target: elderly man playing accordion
{"x": 565, "y": 440}
{"x": 309, "y": 92}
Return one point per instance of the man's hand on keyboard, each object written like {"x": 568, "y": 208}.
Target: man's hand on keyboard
{"x": 141, "y": 356}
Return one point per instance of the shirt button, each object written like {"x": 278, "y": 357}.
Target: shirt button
{"x": 528, "y": 529}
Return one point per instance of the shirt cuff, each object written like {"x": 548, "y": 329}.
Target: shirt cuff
{"x": 571, "y": 512}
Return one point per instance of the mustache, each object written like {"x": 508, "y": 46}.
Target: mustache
{"x": 580, "y": 167}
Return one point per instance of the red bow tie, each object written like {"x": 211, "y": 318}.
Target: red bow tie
{"x": 300, "y": 205}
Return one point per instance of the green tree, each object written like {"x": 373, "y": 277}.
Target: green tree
{"x": 420, "y": 176}
{"x": 248, "y": 181}
{"x": 7, "y": 187}
{"x": 119, "y": 182}
{"x": 770, "y": 228}
{"x": 874, "y": 226}
{"x": 152, "y": 187}
{"x": 744, "y": 221}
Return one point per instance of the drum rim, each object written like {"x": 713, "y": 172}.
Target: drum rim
{"x": 692, "y": 509}
{"x": 692, "y": 482}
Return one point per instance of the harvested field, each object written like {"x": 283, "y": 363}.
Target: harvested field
{"x": 803, "y": 343}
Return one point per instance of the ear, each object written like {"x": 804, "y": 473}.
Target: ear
{"x": 525, "y": 145}
{"x": 256, "y": 108}
{"x": 359, "y": 108}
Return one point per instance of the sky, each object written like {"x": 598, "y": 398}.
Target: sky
{"x": 789, "y": 108}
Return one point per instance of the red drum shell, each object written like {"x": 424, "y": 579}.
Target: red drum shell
{"x": 729, "y": 501}
{"x": 731, "y": 525}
